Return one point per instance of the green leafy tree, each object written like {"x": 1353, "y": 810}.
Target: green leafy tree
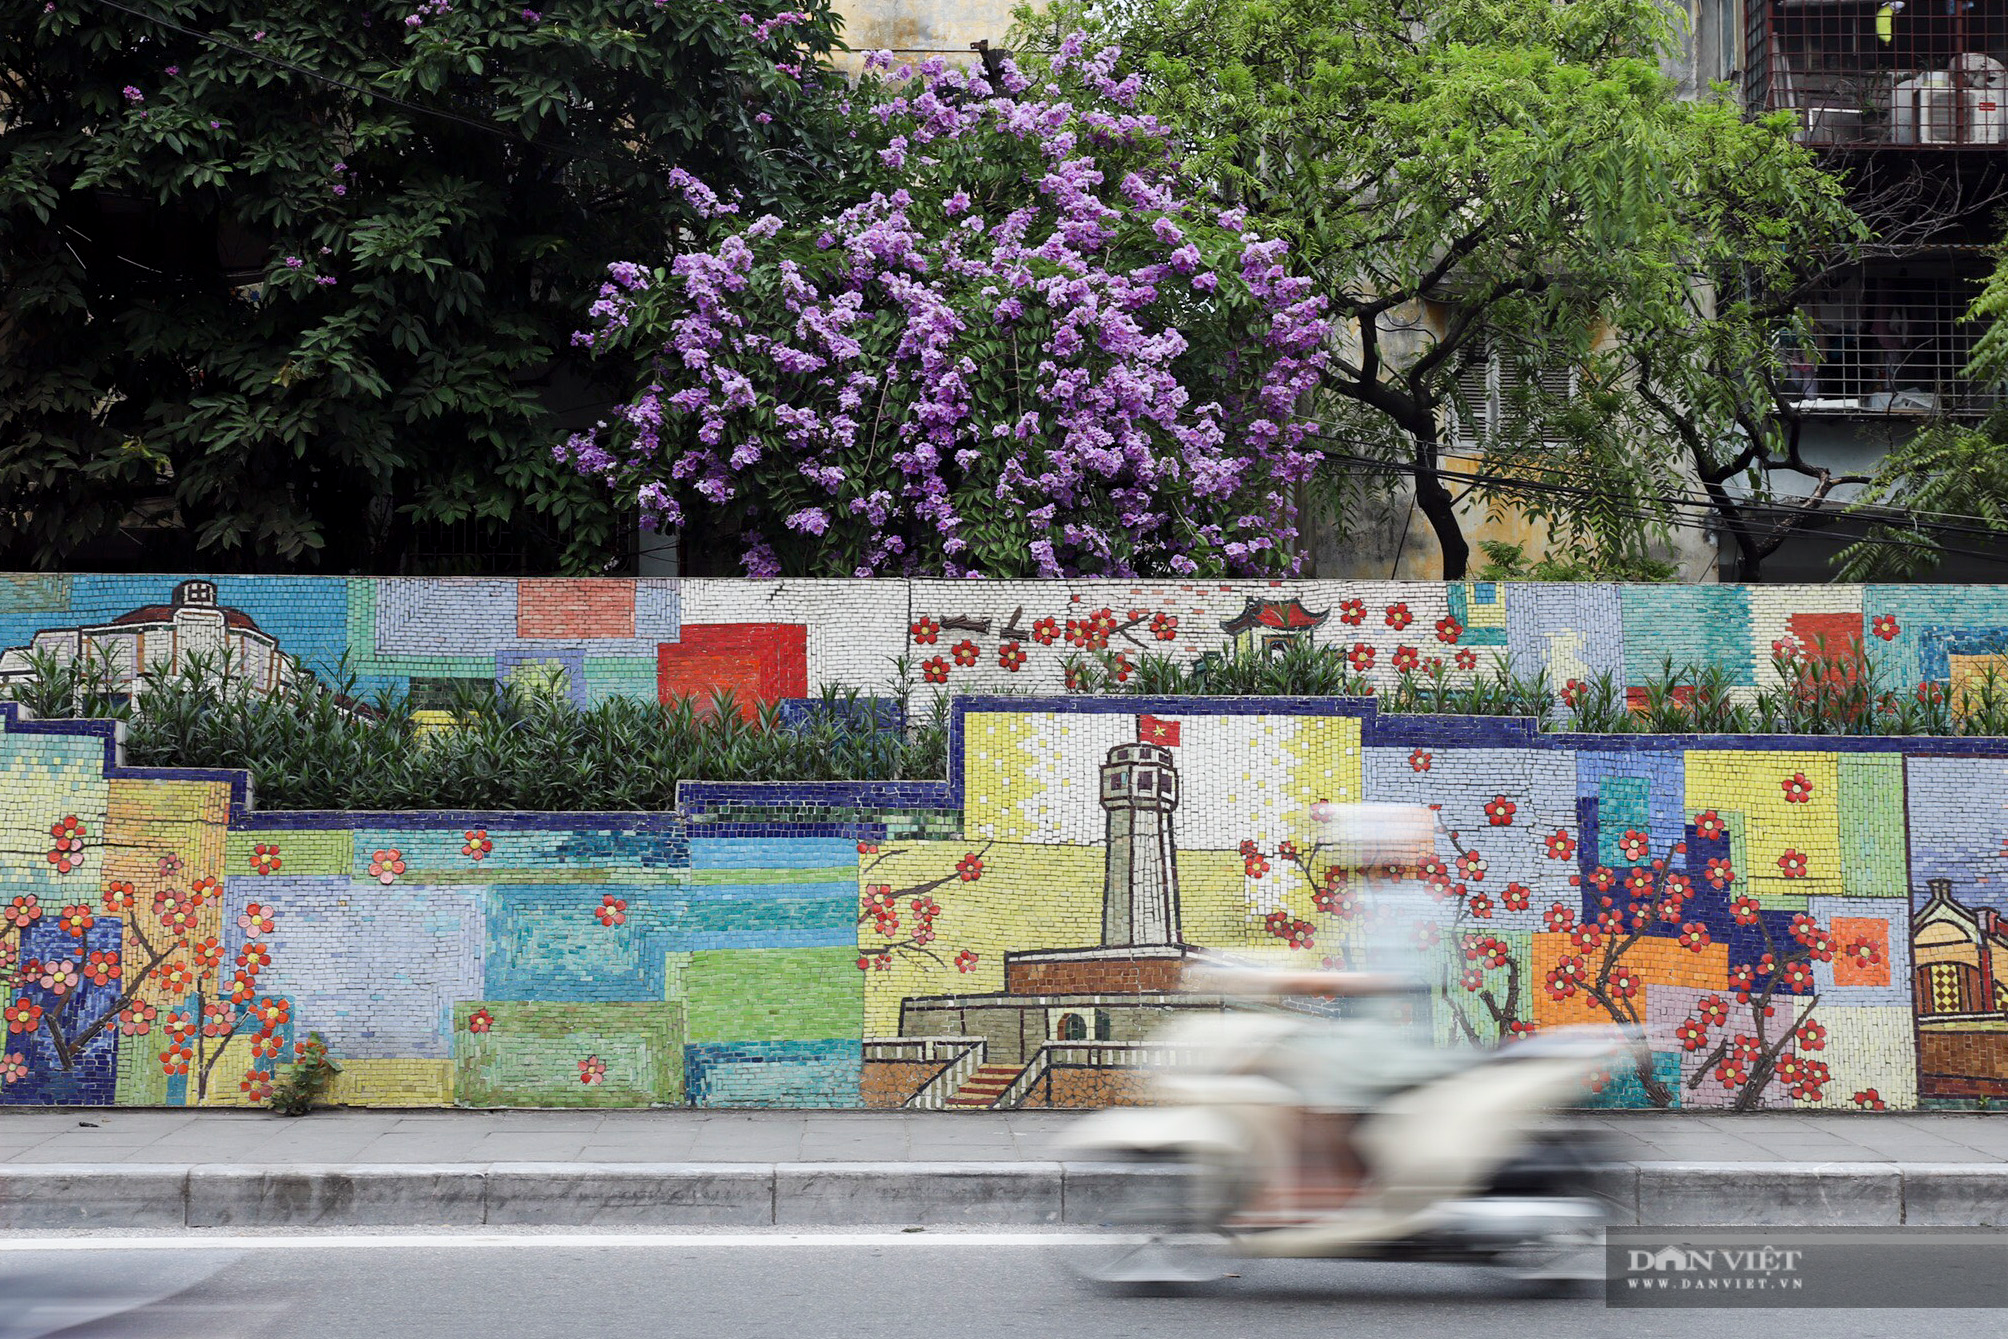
{"x": 1476, "y": 183}
{"x": 283, "y": 283}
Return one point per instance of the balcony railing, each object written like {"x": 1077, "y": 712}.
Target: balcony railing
{"x": 1917, "y": 74}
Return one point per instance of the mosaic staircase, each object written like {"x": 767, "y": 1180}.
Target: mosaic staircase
{"x": 985, "y": 1086}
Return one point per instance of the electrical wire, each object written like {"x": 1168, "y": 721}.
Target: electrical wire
{"x": 1508, "y": 484}
{"x": 1699, "y": 498}
{"x": 1682, "y": 496}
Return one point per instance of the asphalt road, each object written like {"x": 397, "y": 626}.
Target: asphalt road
{"x": 747, "y": 1286}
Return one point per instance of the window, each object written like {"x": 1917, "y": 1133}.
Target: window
{"x": 1491, "y": 395}
{"x": 1892, "y": 338}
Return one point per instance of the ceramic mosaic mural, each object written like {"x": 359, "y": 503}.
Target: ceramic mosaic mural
{"x": 781, "y": 641}
{"x": 1787, "y": 922}
{"x": 161, "y": 944}
{"x": 1745, "y": 905}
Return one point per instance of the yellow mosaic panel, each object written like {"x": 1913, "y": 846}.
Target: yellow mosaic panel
{"x": 1790, "y": 803}
{"x": 393, "y": 1083}
{"x": 1026, "y": 896}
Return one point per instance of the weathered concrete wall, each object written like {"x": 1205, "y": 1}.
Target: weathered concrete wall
{"x": 924, "y": 27}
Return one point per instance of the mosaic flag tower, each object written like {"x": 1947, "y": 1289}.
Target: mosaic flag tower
{"x": 1140, "y": 892}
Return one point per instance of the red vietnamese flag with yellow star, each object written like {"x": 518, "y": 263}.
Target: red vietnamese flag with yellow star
{"x": 1154, "y": 730}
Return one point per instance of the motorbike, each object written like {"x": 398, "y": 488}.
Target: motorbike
{"x": 1451, "y": 1155}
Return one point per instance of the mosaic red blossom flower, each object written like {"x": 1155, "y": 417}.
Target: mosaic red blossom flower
{"x": 385, "y": 866}
{"x": 103, "y": 967}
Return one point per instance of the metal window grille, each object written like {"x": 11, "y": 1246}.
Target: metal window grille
{"x": 1919, "y": 74}
{"x": 1891, "y": 338}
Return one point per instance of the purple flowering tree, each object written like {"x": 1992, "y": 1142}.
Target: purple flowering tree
{"x": 1021, "y": 350}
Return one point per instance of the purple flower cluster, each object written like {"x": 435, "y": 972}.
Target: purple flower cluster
{"x": 432, "y": 9}
{"x": 1029, "y": 350}
{"x": 787, "y": 18}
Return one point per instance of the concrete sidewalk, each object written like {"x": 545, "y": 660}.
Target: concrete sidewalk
{"x": 121, "y": 1168}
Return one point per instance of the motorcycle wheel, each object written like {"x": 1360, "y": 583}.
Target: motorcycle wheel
{"x": 1161, "y": 1236}
{"x": 1563, "y": 1264}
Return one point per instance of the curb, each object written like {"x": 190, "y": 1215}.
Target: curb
{"x": 568, "y": 1194}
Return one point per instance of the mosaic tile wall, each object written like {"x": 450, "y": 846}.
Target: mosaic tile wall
{"x": 781, "y": 641}
{"x": 161, "y": 944}
{"x": 1787, "y": 925}
{"x": 1788, "y": 922}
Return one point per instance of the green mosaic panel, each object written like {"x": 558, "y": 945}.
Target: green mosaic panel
{"x": 531, "y": 1054}
{"x": 773, "y": 994}
{"x": 300, "y": 853}
{"x": 1623, "y": 804}
{"x": 619, "y": 676}
{"x": 1873, "y": 834}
